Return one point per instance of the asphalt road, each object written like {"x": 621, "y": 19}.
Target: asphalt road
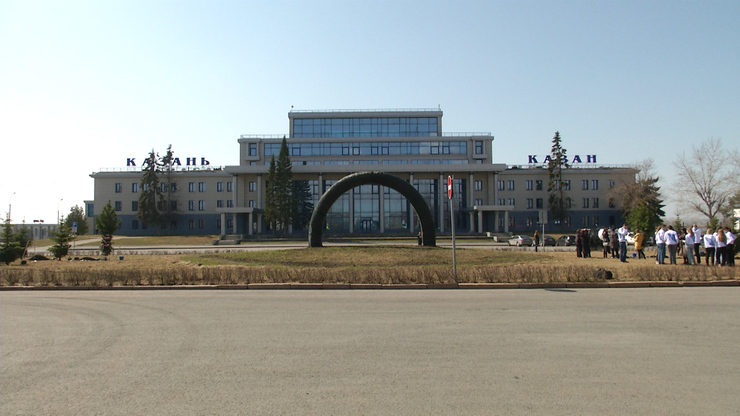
{"x": 668, "y": 351}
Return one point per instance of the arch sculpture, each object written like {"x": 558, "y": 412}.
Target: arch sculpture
{"x": 318, "y": 218}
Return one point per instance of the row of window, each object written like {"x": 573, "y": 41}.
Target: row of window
{"x": 457, "y": 147}
{"x": 539, "y": 203}
{"x": 537, "y": 185}
{"x": 172, "y": 187}
{"x": 365, "y": 127}
{"x": 201, "y": 204}
{"x": 201, "y": 224}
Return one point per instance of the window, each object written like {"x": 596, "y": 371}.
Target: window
{"x": 229, "y": 203}
{"x": 163, "y": 188}
{"x": 252, "y": 149}
{"x": 134, "y": 206}
{"x": 219, "y": 203}
{"x": 478, "y": 202}
{"x": 595, "y": 184}
{"x": 118, "y": 187}
{"x": 251, "y": 203}
{"x": 191, "y": 186}
{"x": 611, "y": 184}
{"x": 568, "y": 202}
{"x": 500, "y": 185}
{"x": 530, "y": 222}
{"x": 512, "y": 201}
{"x": 252, "y": 186}
{"x": 173, "y": 205}
{"x": 144, "y": 188}
{"x": 510, "y": 185}
{"x": 530, "y": 184}
{"x": 173, "y": 187}
{"x": 135, "y": 187}
{"x": 134, "y": 224}
{"x": 117, "y": 205}
{"x": 584, "y": 184}
{"x": 538, "y": 184}
{"x": 540, "y": 203}
{"x": 191, "y": 205}
{"x": 501, "y": 201}
{"x": 219, "y": 186}
{"x": 530, "y": 203}
{"x": 201, "y": 223}
{"x": 566, "y": 185}
{"x": 478, "y": 147}
{"x": 595, "y": 203}
{"x": 229, "y": 186}
{"x": 191, "y": 224}
{"x": 201, "y": 205}
{"x": 478, "y": 185}
{"x": 512, "y": 221}
{"x": 611, "y": 203}
{"x": 586, "y": 202}
{"x": 91, "y": 210}
{"x": 201, "y": 186}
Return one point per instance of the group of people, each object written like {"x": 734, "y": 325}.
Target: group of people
{"x": 614, "y": 242}
{"x": 719, "y": 246}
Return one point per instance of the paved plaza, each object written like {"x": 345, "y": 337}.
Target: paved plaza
{"x": 655, "y": 351}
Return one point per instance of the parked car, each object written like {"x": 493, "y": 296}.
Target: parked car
{"x": 520, "y": 240}
{"x": 566, "y": 240}
{"x": 548, "y": 240}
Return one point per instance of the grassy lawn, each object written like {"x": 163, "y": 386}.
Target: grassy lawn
{"x": 191, "y": 240}
{"x": 349, "y": 264}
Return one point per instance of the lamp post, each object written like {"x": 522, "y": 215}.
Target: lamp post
{"x": 58, "y": 217}
{"x": 10, "y": 205}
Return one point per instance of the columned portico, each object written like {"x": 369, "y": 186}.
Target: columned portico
{"x": 252, "y": 214}
{"x": 496, "y": 210}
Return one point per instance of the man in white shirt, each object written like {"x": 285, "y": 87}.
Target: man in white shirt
{"x": 660, "y": 243}
{"x": 709, "y": 245}
{"x": 730, "y": 246}
{"x": 689, "y": 240}
{"x": 671, "y": 242}
{"x": 697, "y": 242}
{"x": 622, "y": 236}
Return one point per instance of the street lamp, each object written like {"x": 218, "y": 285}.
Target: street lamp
{"x": 10, "y": 205}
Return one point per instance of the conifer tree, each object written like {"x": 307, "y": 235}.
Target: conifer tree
{"x": 62, "y": 237}
{"x": 270, "y": 201}
{"x": 558, "y": 161}
{"x": 77, "y": 215}
{"x": 166, "y": 166}
{"x": 284, "y": 188}
{"x": 107, "y": 223}
{"x": 148, "y": 199}
{"x": 10, "y": 249}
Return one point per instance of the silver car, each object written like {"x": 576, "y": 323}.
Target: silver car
{"x": 520, "y": 240}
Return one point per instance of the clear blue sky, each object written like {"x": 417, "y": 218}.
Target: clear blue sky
{"x": 86, "y": 84}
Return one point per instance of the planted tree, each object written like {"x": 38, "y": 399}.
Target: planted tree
{"x": 284, "y": 188}
{"x": 24, "y": 239}
{"x": 557, "y": 162}
{"x": 77, "y": 215}
{"x": 107, "y": 223}
{"x": 271, "y": 211}
{"x": 166, "y": 167}
{"x": 148, "y": 198}
{"x": 62, "y": 238}
{"x": 640, "y": 201}
{"x": 708, "y": 178}
{"x": 10, "y": 249}
{"x": 302, "y": 204}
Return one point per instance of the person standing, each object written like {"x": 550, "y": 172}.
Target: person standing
{"x": 697, "y": 242}
{"x": 536, "y": 240}
{"x": 604, "y": 237}
{"x": 622, "y": 236}
{"x": 730, "y": 246}
{"x": 721, "y": 247}
{"x": 671, "y": 242}
{"x": 579, "y": 244}
{"x": 639, "y": 241}
{"x": 586, "y": 242}
{"x": 689, "y": 240}
{"x": 660, "y": 243}
{"x": 709, "y": 245}
{"x": 614, "y": 242}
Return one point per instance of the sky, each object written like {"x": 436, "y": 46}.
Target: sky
{"x": 84, "y": 85}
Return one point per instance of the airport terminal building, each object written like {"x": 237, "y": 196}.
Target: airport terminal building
{"x": 325, "y": 146}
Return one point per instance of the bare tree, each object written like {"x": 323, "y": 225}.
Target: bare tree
{"x": 708, "y": 178}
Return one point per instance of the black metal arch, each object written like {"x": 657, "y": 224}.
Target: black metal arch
{"x": 315, "y": 228}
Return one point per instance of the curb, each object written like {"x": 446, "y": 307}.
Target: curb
{"x": 378, "y": 286}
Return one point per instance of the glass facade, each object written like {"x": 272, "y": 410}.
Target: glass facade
{"x": 308, "y": 128}
{"x": 421, "y": 148}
